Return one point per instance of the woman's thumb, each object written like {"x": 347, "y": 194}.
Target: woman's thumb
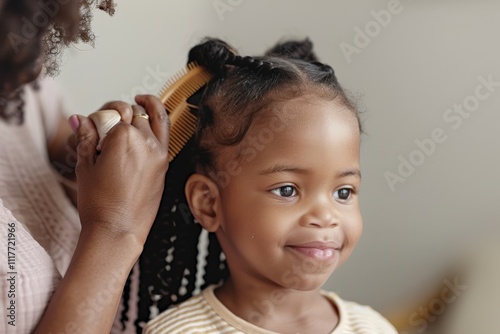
{"x": 86, "y": 138}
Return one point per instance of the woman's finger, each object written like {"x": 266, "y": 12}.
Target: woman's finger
{"x": 141, "y": 119}
{"x": 86, "y": 141}
{"x": 158, "y": 118}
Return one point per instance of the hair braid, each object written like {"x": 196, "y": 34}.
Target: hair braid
{"x": 125, "y": 298}
{"x": 215, "y": 260}
{"x": 254, "y": 64}
{"x": 168, "y": 264}
{"x": 214, "y": 55}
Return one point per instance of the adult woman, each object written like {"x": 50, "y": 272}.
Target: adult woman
{"x": 56, "y": 278}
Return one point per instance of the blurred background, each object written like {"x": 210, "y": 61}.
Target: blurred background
{"x": 426, "y": 75}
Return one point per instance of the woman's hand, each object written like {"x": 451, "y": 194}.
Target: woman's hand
{"x": 119, "y": 190}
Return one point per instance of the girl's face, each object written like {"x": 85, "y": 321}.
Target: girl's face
{"x": 289, "y": 215}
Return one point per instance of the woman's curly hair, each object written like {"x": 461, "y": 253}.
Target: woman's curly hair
{"x": 35, "y": 30}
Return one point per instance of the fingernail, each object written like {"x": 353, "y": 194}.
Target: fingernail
{"x": 74, "y": 122}
{"x": 139, "y": 98}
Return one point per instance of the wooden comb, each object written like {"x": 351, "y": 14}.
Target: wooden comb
{"x": 183, "y": 115}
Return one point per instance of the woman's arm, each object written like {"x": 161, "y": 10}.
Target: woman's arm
{"x": 87, "y": 298}
{"x": 119, "y": 193}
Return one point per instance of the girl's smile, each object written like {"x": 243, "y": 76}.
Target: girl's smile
{"x": 321, "y": 251}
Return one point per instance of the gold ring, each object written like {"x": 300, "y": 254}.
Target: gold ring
{"x": 145, "y": 116}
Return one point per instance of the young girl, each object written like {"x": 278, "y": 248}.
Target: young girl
{"x": 277, "y": 180}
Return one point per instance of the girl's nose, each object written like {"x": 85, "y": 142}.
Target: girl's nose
{"x": 321, "y": 214}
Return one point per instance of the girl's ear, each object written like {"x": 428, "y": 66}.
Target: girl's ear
{"x": 202, "y": 195}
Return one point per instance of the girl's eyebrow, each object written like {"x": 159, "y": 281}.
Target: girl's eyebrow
{"x": 350, "y": 172}
{"x": 292, "y": 169}
{"x": 283, "y": 169}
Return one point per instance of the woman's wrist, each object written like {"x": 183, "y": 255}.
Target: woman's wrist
{"x": 123, "y": 246}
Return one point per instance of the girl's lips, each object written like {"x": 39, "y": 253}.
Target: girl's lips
{"x": 317, "y": 244}
{"x": 317, "y": 253}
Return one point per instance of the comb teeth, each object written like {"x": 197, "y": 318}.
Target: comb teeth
{"x": 183, "y": 85}
{"x": 170, "y": 81}
{"x": 181, "y": 131}
{"x": 174, "y": 95}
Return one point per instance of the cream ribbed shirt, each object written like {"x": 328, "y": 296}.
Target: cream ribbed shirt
{"x": 33, "y": 204}
{"x": 204, "y": 313}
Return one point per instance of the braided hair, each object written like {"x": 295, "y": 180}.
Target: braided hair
{"x": 179, "y": 258}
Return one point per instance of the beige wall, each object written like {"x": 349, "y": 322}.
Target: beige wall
{"x": 429, "y": 57}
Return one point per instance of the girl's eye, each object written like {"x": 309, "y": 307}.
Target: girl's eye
{"x": 343, "y": 194}
{"x": 285, "y": 191}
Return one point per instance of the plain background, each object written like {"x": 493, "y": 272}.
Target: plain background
{"x": 422, "y": 62}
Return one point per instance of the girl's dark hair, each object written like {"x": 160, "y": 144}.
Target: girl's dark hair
{"x": 294, "y": 49}
{"x": 30, "y": 29}
{"x": 240, "y": 89}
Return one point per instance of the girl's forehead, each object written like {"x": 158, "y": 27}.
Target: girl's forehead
{"x": 293, "y": 124}
{"x": 298, "y": 110}
{"x": 304, "y": 123}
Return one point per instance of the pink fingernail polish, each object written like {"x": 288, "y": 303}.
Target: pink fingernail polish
{"x": 74, "y": 123}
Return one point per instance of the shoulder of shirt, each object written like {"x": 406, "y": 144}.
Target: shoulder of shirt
{"x": 361, "y": 318}
{"x": 172, "y": 315}
{"x": 194, "y": 316}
